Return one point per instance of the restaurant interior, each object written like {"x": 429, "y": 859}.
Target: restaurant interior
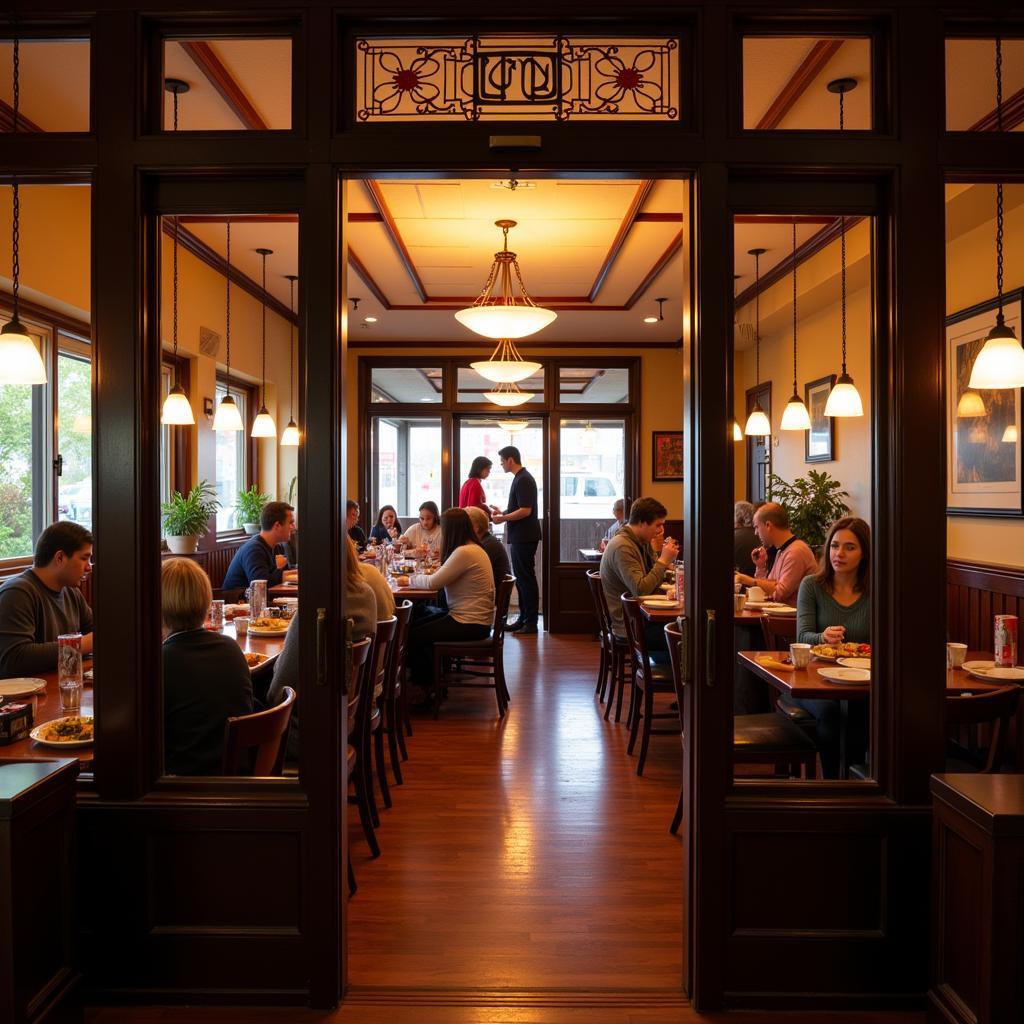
{"x": 228, "y": 341}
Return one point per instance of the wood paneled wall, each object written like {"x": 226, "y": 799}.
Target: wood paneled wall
{"x": 975, "y": 592}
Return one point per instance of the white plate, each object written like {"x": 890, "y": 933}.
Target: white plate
{"x": 37, "y": 733}
{"x": 778, "y": 609}
{"x": 974, "y": 666}
{"x": 285, "y": 600}
{"x": 864, "y": 663}
{"x": 660, "y": 602}
{"x": 997, "y": 674}
{"x": 845, "y": 675}
{"x": 21, "y": 687}
{"x": 253, "y": 631}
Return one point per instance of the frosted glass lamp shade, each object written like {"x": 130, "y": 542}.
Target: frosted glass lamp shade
{"x": 513, "y": 426}
{"x": 20, "y": 361}
{"x": 501, "y": 321}
{"x": 757, "y": 423}
{"x": 504, "y": 371}
{"x": 1010, "y": 434}
{"x": 177, "y": 410}
{"x": 1000, "y": 363}
{"x": 263, "y": 425}
{"x": 844, "y": 399}
{"x": 970, "y": 405}
{"x": 228, "y": 417}
{"x": 795, "y": 415}
{"x": 737, "y": 434}
{"x": 290, "y": 438}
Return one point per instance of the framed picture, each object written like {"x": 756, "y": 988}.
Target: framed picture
{"x": 667, "y": 460}
{"x": 984, "y": 465}
{"x": 820, "y": 440}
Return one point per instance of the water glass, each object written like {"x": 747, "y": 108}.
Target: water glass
{"x": 69, "y": 672}
{"x": 241, "y": 625}
{"x": 800, "y": 654}
{"x": 216, "y": 615}
{"x": 257, "y": 598}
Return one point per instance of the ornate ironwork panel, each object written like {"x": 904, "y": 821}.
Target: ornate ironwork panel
{"x": 527, "y": 78}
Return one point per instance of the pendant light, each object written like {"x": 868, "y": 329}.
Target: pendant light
{"x": 588, "y": 442}
{"x": 758, "y": 424}
{"x": 506, "y": 364}
{"x": 513, "y": 426}
{"x": 737, "y": 433}
{"x": 20, "y": 361}
{"x": 1010, "y": 434}
{"x": 177, "y": 410}
{"x": 290, "y": 438}
{"x": 228, "y": 416}
{"x": 507, "y": 394}
{"x": 1000, "y": 363}
{"x": 970, "y": 405}
{"x": 843, "y": 399}
{"x": 795, "y": 415}
{"x": 263, "y": 425}
{"x": 503, "y": 316}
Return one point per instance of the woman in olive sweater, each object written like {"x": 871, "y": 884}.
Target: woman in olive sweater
{"x": 834, "y": 607}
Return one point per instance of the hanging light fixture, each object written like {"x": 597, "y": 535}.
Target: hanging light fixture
{"x": 177, "y": 410}
{"x": 970, "y": 405}
{"x": 588, "y": 442}
{"x": 506, "y": 364}
{"x": 844, "y": 398}
{"x": 795, "y": 415}
{"x": 503, "y": 316}
{"x": 513, "y": 426}
{"x": 263, "y": 425}
{"x": 1010, "y": 434}
{"x": 661, "y": 313}
{"x": 507, "y": 394}
{"x": 291, "y": 438}
{"x": 1000, "y": 363}
{"x": 228, "y": 416}
{"x": 20, "y": 361}
{"x": 757, "y": 424}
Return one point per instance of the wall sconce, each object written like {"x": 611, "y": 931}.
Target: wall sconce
{"x": 208, "y": 408}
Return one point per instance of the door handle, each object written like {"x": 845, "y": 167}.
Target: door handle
{"x": 685, "y": 671}
{"x": 709, "y": 648}
{"x": 321, "y": 647}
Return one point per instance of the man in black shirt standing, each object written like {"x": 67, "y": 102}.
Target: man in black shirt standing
{"x": 523, "y": 537}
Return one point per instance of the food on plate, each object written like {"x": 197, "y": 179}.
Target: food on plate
{"x": 266, "y": 622}
{"x": 833, "y": 651}
{"x": 402, "y": 581}
{"x": 67, "y": 730}
{"x": 252, "y": 658}
{"x": 774, "y": 663}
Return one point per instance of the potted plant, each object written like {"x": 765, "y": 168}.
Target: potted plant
{"x": 814, "y": 503}
{"x": 186, "y": 517}
{"x": 249, "y": 508}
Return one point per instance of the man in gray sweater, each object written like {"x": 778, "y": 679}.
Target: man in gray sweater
{"x": 44, "y": 601}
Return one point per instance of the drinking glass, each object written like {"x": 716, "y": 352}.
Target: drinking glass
{"x": 216, "y": 615}
{"x": 241, "y": 625}
{"x": 800, "y": 654}
{"x": 69, "y": 672}
{"x": 257, "y": 598}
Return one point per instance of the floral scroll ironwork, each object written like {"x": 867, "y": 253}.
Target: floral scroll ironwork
{"x": 526, "y": 78}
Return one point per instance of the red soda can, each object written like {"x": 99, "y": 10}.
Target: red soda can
{"x": 1006, "y": 641}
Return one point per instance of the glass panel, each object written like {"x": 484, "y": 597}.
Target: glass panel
{"x": 48, "y": 102}
{"x": 233, "y": 84}
{"x": 971, "y": 85}
{"x": 166, "y": 448}
{"x": 593, "y": 385}
{"x": 74, "y": 438}
{"x": 231, "y": 474}
{"x": 407, "y": 457}
{"x": 593, "y": 478}
{"x": 786, "y": 83}
{"x": 399, "y": 385}
{"x": 529, "y": 78}
{"x": 472, "y": 387}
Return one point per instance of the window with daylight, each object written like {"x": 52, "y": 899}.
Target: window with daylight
{"x": 592, "y": 478}
{"x": 74, "y": 431}
{"x": 233, "y": 447}
{"x": 406, "y": 454}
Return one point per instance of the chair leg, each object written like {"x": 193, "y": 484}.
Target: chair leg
{"x": 438, "y": 682}
{"x": 648, "y": 720}
{"x": 365, "y": 817}
{"x": 499, "y": 678}
{"x": 602, "y": 669}
{"x": 677, "y": 818}
{"x": 366, "y": 774}
{"x": 394, "y": 730}
{"x": 382, "y": 774}
{"x": 352, "y": 887}
{"x": 634, "y": 724}
{"x": 616, "y": 684}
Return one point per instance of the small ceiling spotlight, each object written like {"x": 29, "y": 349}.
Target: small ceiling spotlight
{"x": 355, "y": 300}
{"x": 661, "y": 312}
{"x": 369, "y": 319}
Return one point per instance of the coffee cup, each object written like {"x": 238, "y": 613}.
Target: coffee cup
{"x": 956, "y": 654}
{"x": 241, "y": 625}
{"x": 800, "y": 654}
{"x": 755, "y": 595}
{"x": 738, "y": 602}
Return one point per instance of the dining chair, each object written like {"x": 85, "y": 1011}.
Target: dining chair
{"x": 265, "y": 732}
{"x": 650, "y": 680}
{"x": 478, "y": 659}
{"x": 779, "y": 631}
{"x": 379, "y": 658}
{"x": 617, "y": 656}
{"x": 604, "y": 636}
{"x": 995, "y": 706}
{"x": 390, "y": 700}
{"x": 360, "y": 699}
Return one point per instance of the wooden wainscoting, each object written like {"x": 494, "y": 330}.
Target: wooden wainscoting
{"x": 214, "y": 560}
{"x": 975, "y": 591}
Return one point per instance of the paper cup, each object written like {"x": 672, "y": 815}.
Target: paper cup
{"x": 739, "y": 601}
{"x": 801, "y": 654}
{"x": 241, "y": 625}
{"x": 956, "y": 655}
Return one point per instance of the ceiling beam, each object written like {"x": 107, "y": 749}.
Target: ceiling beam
{"x": 674, "y": 248}
{"x": 379, "y": 343}
{"x": 391, "y": 228}
{"x": 218, "y": 75}
{"x": 1013, "y": 115}
{"x": 810, "y": 67}
{"x": 360, "y": 268}
{"x": 620, "y": 238}
{"x": 7, "y": 120}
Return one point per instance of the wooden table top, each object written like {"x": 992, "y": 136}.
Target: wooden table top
{"x": 283, "y": 590}
{"x": 669, "y": 614}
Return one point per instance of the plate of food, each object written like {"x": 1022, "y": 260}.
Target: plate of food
{"x": 854, "y": 663}
{"x": 231, "y": 610}
{"x": 73, "y": 731}
{"x": 267, "y": 625}
{"x": 21, "y": 687}
{"x": 284, "y": 602}
{"x": 992, "y": 673}
{"x": 832, "y": 652}
{"x": 254, "y": 659}
{"x": 845, "y": 675}
{"x": 660, "y": 602}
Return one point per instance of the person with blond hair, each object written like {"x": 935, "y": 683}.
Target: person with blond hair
{"x": 206, "y": 678}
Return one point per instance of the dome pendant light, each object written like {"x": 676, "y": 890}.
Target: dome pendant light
{"x": 843, "y": 399}
{"x": 758, "y": 424}
{"x": 503, "y": 316}
{"x": 970, "y": 405}
{"x": 263, "y": 425}
{"x": 506, "y": 364}
{"x": 291, "y": 437}
{"x": 20, "y": 361}
{"x": 508, "y": 395}
{"x": 228, "y": 417}
{"x": 513, "y": 426}
{"x": 795, "y": 415}
{"x": 1000, "y": 363}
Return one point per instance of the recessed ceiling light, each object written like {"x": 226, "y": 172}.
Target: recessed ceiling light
{"x": 369, "y": 319}
{"x": 650, "y": 319}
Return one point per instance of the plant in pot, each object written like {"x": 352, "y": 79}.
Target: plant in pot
{"x": 186, "y": 517}
{"x": 814, "y": 503}
{"x": 249, "y": 507}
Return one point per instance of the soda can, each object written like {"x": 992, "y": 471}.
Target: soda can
{"x": 1006, "y": 641}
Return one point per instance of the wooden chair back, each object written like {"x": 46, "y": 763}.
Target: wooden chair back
{"x": 675, "y": 656}
{"x": 265, "y": 731}
{"x": 779, "y": 631}
{"x": 397, "y": 651}
{"x": 502, "y": 599}
{"x": 380, "y": 655}
{"x": 995, "y": 706}
{"x": 604, "y": 618}
{"x": 360, "y": 660}
{"x": 635, "y": 636}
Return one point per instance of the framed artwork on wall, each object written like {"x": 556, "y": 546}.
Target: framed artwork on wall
{"x": 984, "y": 461}
{"x": 667, "y": 457}
{"x": 820, "y": 440}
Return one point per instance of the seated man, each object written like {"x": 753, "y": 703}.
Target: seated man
{"x": 793, "y": 560}
{"x": 44, "y": 601}
{"x": 255, "y": 559}
{"x": 629, "y": 566}
{"x": 619, "y": 511}
{"x": 492, "y": 546}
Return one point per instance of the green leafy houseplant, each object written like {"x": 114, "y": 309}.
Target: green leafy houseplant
{"x": 814, "y": 503}
{"x": 249, "y": 506}
{"x": 186, "y": 517}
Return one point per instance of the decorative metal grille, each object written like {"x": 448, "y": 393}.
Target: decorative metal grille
{"x": 532, "y": 79}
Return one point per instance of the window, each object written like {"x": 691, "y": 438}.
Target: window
{"x": 166, "y": 445}
{"x": 593, "y": 477}
{"x": 232, "y": 460}
{"x": 402, "y": 385}
{"x": 406, "y": 456}
{"x": 473, "y": 387}
{"x": 971, "y": 84}
{"x": 74, "y": 432}
{"x": 604, "y": 385}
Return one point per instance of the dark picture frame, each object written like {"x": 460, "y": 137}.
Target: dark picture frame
{"x": 984, "y": 468}
{"x": 820, "y": 440}
{"x": 666, "y": 455}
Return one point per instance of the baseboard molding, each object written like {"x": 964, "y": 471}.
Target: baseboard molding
{"x": 575, "y": 999}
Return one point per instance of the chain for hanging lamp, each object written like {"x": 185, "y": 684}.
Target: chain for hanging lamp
{"x": 291, "y": 437}
{"x": 758, "y": 424}
{"x": 795, "y": 415}
{"x": 228, "y": 417}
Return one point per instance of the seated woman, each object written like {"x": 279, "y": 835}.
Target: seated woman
{"x": 206, "y": 678}
{"x": 468, "y": 583}
{"x": 833, "y": 607}
{"x": 387, "y": 527}
{"x": 425, "y": 535}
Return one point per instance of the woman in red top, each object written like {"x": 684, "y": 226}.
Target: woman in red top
{"x": 472, "y": 493}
